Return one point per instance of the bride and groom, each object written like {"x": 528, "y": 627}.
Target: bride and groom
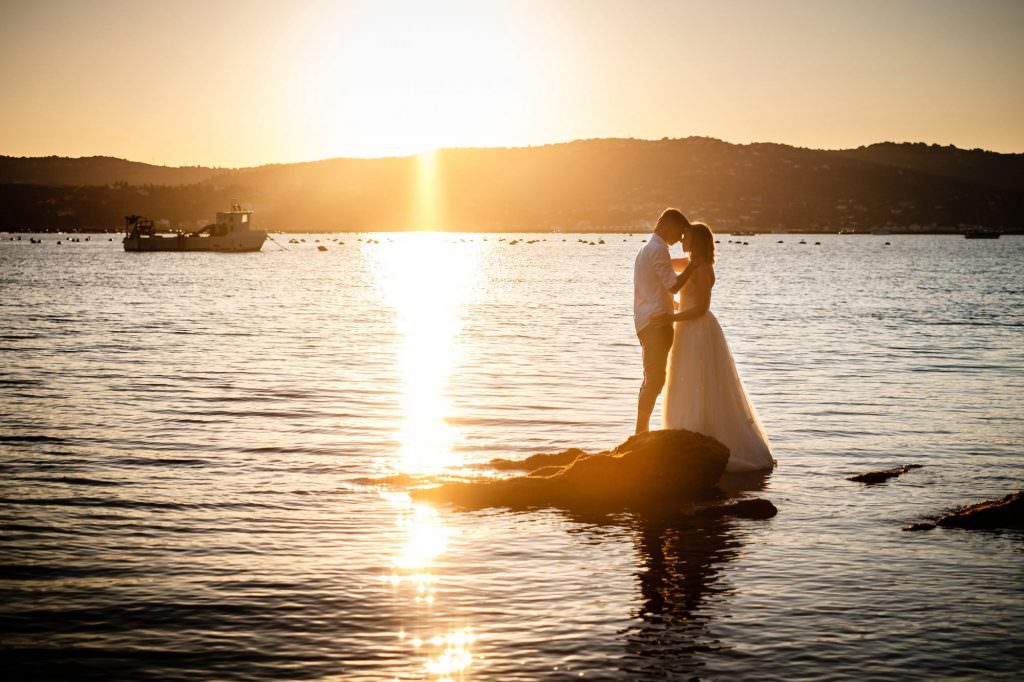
{"x": 685, "y": 342}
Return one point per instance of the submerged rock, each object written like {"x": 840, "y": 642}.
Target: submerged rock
{"x": 883, "y": 475}
{"x": 754, "y": 508}
{"x": 1007, "y": 512}
{"x": 923, "y": 525}
{"x": 660, "y": 465}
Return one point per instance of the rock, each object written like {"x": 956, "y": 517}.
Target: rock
{"x": 755, "y": 508}
{"x": 660, "y": 465}
{"x": 1007, "y": 512}
{"x": 883, "y": 475}
{"x": 534, "y": 462}
{"x": 920, "y": 526}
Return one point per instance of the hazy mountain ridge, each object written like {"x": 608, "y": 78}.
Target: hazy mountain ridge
{"x": 588, "y": 184}
{"x": 977, "y": 165}
{"x": 96, "y": 170}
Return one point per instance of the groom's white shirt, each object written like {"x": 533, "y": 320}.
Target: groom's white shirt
{"x": 653, "y": 280}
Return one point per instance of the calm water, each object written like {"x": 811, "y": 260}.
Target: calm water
{"x": 184, "y": 438}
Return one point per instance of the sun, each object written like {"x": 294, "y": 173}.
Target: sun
{"x": 409, "y": 77}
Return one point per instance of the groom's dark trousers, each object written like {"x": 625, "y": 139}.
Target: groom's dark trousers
{"x": 656, "y": 342}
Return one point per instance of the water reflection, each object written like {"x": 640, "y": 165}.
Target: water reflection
{"x": 681, "y": 576}
{"x": 426, "y": 280}
{"x": 424, "y": 538}
{"x": 681, "y": 570}
{"x": 427, "y": 284}
{"x": 682, "y": 561}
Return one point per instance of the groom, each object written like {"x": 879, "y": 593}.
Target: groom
{"x": 654, "y": 284}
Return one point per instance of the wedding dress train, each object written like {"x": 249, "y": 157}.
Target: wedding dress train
{"x": 705, "y": 394}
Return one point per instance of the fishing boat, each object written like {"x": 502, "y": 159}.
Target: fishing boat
{"x": 231, "y": 232}
{"x": 981, "y": 233}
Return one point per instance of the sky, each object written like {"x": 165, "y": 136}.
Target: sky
{"x": 232, "y": 84}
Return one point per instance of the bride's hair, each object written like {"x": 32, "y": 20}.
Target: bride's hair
{"x": 702, "y": 243}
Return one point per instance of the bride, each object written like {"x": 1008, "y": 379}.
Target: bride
{"x": 705, "y": 393}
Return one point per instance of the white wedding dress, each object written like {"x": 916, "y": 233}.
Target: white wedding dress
{"x": 705, "y": 393}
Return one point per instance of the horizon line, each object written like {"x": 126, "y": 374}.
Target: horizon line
{"x": 512, "y": 147}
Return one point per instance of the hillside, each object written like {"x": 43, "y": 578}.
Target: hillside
{"x": 584, "y": 185}
{"x": 96, "y": 170}
{"x": 975, "y": 165}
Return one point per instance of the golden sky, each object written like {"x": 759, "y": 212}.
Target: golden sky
{"x": 250, "y": 82}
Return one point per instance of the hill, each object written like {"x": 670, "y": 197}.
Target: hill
{"x": 599, "y": 184}
{"x": 96, "y": 170}
{"x": 975, "y": 165}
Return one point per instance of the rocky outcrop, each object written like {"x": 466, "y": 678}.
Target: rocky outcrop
{"x": 883, "y": 475}
{"x": 535, "y": 462}
{"x": 660, "y": 465}
{"x": 1007, "y": 512}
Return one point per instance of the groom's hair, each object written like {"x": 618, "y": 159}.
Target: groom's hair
{"x": 673, "y": 217}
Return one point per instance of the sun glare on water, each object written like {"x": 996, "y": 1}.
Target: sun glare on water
{"x": 426, "y": 279}
{"x": 445, "y": 653}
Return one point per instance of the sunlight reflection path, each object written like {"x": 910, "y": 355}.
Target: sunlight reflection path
{"x": 426, "y": 279}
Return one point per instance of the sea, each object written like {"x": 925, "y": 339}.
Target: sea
{"x": 195, "y": 451}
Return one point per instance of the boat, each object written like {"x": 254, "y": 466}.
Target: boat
{"x": 231, "y": 232}
{"x": 981, "y": 233}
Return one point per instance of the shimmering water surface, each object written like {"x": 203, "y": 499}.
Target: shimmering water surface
{"x": 185, "y": 439}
